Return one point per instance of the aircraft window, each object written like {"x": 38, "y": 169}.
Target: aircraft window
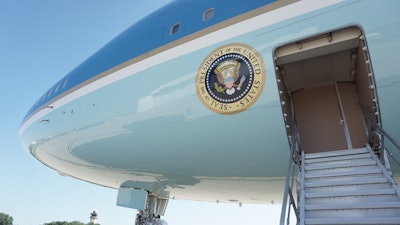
{"x": 208, "y": 14}
{"x": 175, "y": 28}
{"x": 43, "y": 97}
{"x": 65, "y": 83}
{"x": 50, "y": 92}
{"x": 58, "y": 87}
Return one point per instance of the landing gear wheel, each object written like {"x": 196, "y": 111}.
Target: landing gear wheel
{"x": 149, "y": 220}
{"x": 150, "y": 215}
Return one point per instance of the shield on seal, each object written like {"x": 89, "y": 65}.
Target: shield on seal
{"x": 227, "y": 73}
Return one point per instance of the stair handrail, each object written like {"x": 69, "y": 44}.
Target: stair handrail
{"x": 288, "y": 193}
{"x": 376, "y": 131}
{"x": 302, "y": 190}
{"x": 383, "y": 134}
{"x": 384, "y": 170}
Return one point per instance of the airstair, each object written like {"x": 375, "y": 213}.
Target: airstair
{"x": 339, "y": 152}
{"x": 347, "y": 187}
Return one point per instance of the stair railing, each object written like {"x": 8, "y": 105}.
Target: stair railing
{"x": 377, "y": 136}
{"x": 384, "y": 134}
{"x": 294, "y": 158}
{"x": 384, "y": 171}
{"x": 302, "y": 190}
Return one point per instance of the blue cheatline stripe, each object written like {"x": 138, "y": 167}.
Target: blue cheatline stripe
{"x": 149, "y": 33}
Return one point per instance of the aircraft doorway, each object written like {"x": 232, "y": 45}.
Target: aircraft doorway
{"x": 328, "y": 118}
{"x": 327, "y": 90}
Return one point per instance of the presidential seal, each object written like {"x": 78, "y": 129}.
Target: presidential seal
{"x": 230, "y": 79}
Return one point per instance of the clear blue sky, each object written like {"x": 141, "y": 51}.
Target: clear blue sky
{"x": 41, "y": 41}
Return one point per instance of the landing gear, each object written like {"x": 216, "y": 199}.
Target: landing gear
{"x": 142, "y": 219}
{"x": 151, "y": 215}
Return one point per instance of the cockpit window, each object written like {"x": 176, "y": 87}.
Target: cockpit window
{"x": 175, "y": 28}
{"x": 208, "y": 14}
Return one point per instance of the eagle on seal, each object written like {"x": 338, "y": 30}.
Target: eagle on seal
{"x": 227, "y": 73}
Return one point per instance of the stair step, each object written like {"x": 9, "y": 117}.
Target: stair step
{"x": 345, "y": 178}
{"x": 335, "y": 153}
{"x": 339, "y": 158}
{"x": 352, "y": 171}
{"x": 354, "y": 214}
{"x": 351, "y": 197}
{"x": 347, "y": 187}
{"x": 374, "y": 205}
{"x": 344, "y": 162}
{"x": 309, "y": 168}
{"x": 351, "y": 193}
{"x": 355, "y": 221}
{"x": 353, "y": 211}
{"x": 330, "y": 174}
{"x": 352, "y": 200}
{"x": 361, "y": 181}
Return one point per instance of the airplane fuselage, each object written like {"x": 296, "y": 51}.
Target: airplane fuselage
{"x": 188, "y": 107}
